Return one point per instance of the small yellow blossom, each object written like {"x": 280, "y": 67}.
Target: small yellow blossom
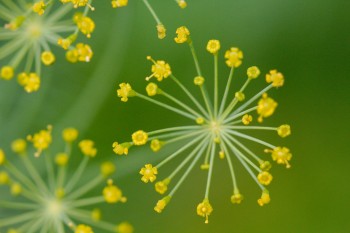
{"x": 182, "y": 35}
{"x": 161, "y": 204}
{"x": 107, "y": 169}
{"x": 162, "y": 186}
{"x": 139, "y": 138}
{"x": 239, "y": 96}
{"x": 7, "y": 72}
{"x": 112, "y": 194}
{"x": 200, "y": 120}
{"x": 70, "y": 134}
{"x": 265, "y": 178}
{"x": 30, "y": 82}
{"x": 253, "y": 72}
{"x": 65, "y": 43}
{"x": 148, "y": 173}
{"x": 119, "y": 3}
{"x": 213, "y": 46}
{"x": 48, "y": 58}
{"x": 221, "y": 154}
{"x": 85, "y": 24}
{"x": 87, "y": 148}
{"x": 61, "y": 159}
{"x": 182, "y": 3}
{"x": 284, "y": 131}
{"x": 84, "y": 52}
{"x": 39, "y": 7}
{"x": 234, "y": 57}
{"x": 160, "y": 69}
{"x": 276, "y": 78}
{"x": 205, "y": 166}
{"x": 156, "y": 145}
{"x": 72, "y": 55}
{"x": 266, "y": 107}
{"x": 83, "y": 229}
{"x": 265, "y": 165}
{"x": 247, "y": 119}
{"x": 236, "y": 198}
{"x": 80, "y": 3}
{"x": 41, "y": 140}
{"x": 152, "y": 89}
{"x": 281, "y": 155}
{"x": 2, "y": 157}
{"x": 125, "y": 227}
{"x": 198, "y": 81}
{"x": 125, "y": 91}
{"x": 96, "y": 215}
{"x": 121, "y": 149}
{"x": 16, "y": 189}
{"x": 204, "y": 209}
{"x": 4, "y": 178}
{"x": 161, "y": 31}
{"x": 265, "y": 198}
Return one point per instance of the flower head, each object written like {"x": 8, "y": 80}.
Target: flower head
{"x": 60, "y": 197}
{"x": 30, "y": 33}
{"x": 119, "y": 3}
{"x": 217, "y": 129}
{"x": 125, "y": 91}
{"x": 276, "y": 78}
{"x": 87, "y": 147}
{"x": 182, "y": 35}
{"x": 160, "y": 70}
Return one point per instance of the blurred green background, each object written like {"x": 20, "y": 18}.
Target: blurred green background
{"x": 309, "y": 41}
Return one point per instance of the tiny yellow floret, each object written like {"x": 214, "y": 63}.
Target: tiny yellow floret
{"x": 161, "y": 31}
{"x": 236, "y": 198}
{"x": 125, "y": 91}
{"x": 7, "y": 72}
{"x": 152, "y": 89}
{"x": 281, "y": 155}
{"x": 247, "y": 119}
{"x": 87, "y": 148}
{"x": 4, "y": 178}
{"x": 39, "y": 7}
{"x": 234, "y": 57}
{"x": 65, "y": 43}
{"x": 16, "y": 189}
{"x": 19, "y": 146}
{"x": 213, "y": 46}
{"x": 160, "y": 69}
{"x": 48, "y": 58}
{"x": 85, "y": 24}
{"x": 265, "y": 198}
{"x": 81, "y": 228}
{"x": 30, "y": 82}
{"x": 198, "y": 81}
{"x": 61, "y": 159}
{"x": 204, "y": 209}
{"x": 112, "y": 194}
{"x": 139, "y": 138}
{"x": 162, "y": 186}
{"x": 119, "y": 3}
{"x": 221, "y": 154}
{"x": 284, "y": 131}
{"x": 239, "y": 96}
{"x": 148, "y": 173}
{"x": 2, "y": 157}
{"x": 41, "y": 140}
{"x": 265, "y": 178}
{"x": 96, "y": 215}
{"x": 265, "y": 165}
{"x": 266, "y": 107}
{"x": 70, "y": 134}
{"x": 276, "y": 78}
{"x": 200, "y": 120}
{"x": 107, "y": 169}
{"x": 253, "y": 72}
{"x": 182, "y": 35}
{"x": 121, "y": 149}
{"x": 84, "y": 52}
{"x": 161, "y": 204}
{"x": 156, "y": 145}
{"x": 182, "y": 3}
{"x": 125, "y": 227}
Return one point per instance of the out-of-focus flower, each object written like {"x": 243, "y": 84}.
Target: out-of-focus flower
{"x": 31, "y": 32}
{"x": 57, "y": 201}
{"x": 216, "y": 132}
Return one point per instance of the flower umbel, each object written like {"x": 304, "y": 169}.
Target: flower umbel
{"x": 56, "y": 201}
{"x": 217, "y": 128}
{"x": 32, "y": 29}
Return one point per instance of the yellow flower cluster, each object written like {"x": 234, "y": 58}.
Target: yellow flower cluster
{"x": 215, "y": 129}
